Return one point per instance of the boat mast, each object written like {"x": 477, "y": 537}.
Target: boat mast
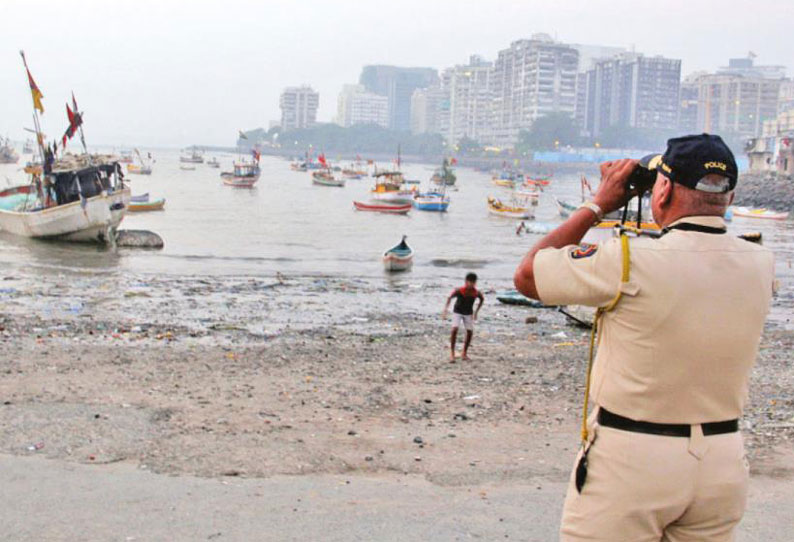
{"x": 36, "y": 124}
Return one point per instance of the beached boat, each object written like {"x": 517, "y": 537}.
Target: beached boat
{"x": 244, "y": 175}
{"x": 195, "y": 157}
{"x": 514, "y": 297}
{"x": 379, "y": 207}
{"x": 325, "y": 178}
{"x": 142, "y": 206}
{"x": 432, "y": 201}
{"x": 497, "y": 208}
{"x": 83, "y": 198}
{"x": 767, "y": 214}
{"x": 8, "y": 155}
{"x": 213, "y": 163}
{"x": 399, "y": 257}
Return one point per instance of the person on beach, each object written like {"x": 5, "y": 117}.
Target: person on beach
{"x": 463, "y": 313}
{"x": 679, "y": 322}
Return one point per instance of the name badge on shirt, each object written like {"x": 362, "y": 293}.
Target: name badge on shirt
{"x": 585, "y": 250}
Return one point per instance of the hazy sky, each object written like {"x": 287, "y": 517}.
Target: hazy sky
{"x": 173, "y": 72}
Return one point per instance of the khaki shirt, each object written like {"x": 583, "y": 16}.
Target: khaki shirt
{"x": 680, "y": 344}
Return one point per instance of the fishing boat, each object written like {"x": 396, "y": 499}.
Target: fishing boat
{"x": 81, "y": 198}
{"x": 390, "y": 188}
{"x": 142, "y": 168}
{"x": 126, "y": 157}
{"x": 432, "y": 201}
{"x": 28, "y": 148}
{"x": 444, "y": 176}
{"x": 8, "y": 155}
{"x": 244, "y": 175}
{"x": 506, "y": 179}
{"x": 399, "y": 257}
{"x": 767, "y": 214}
{"x": 497, "y": 208}
{"x": 325, "y": 178}
{"x": 527, "y": 194}
{"x": 388, "y": 208}
{"x": 148, "y": 205}
{"x": 537, "y": 181}
{"x": 187, "y": 168}
{"x": 195, "y": 157}
{"x": 140, "y": 198}
{"x": 213, "y": 163}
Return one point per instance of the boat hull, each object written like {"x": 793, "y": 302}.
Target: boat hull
{"x": 382, "y": 208}
{"x": 72, "y": 221}
{"x": 239, "y": 182}
{"x": 143, "y": 206}
{"x": 764, "y": 214}
{"x": 394, "y": 263}
{"x": 402, "y": 196}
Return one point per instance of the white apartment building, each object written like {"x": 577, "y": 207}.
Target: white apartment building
{"x": 356, "y": 105}
{"x": 429, "y": 110}
{"x": 470, "y": 96}
{"x": 299, "y": 107}
{"x": 531, "y": 78}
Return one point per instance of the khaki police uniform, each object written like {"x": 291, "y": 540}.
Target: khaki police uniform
{"x": 677, "y": 349}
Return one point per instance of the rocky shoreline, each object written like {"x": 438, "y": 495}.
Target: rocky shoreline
{"x": 765, "y": 190}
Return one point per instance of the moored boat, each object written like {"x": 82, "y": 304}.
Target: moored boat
{"x": 325, "y": 178}
{"x": 8, "y": 155}
{"x": 445, "y": 175}
{"x": 380, "y": 207}
{"x": 144, "y": 167}
{"x": 399, "y": 257}
{"x": 213, "y": 163}
{"x": 142, "y": 206}
{"x": 497, "y": 208}
{"x": 763, "y": 213}
{"x": 432, "y": 201}
{"x": 244, "y": 175}
{"x": 28, "y": 148}
{"x": 195, "y": 157}
{"x": 390, "y": 188}
{"x": 83, "y": 198}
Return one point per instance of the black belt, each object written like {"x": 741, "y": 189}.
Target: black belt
{"x": 609, "y": 419}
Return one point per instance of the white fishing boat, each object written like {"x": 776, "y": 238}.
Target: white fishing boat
{"x": 142, "y": 168}
{"x": 768, "y": 214}
{"x": 213, "y": 163}
{"x": 399, "y": 257}
{"x": 83, "y": 199}
{"x": 8, "y": 155}
{"x": 516, "y": 210}
{"x": 195, "y": 157}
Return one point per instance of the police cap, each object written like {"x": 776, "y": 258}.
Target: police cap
{"x": 690, "y": 158}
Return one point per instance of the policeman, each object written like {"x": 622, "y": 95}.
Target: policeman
{"x": 663, "y": 459}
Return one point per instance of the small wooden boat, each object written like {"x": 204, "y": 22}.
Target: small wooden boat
{"x": 136, "y": 169}
{"x": 140, "y": 199}
{"x": 213, "y": 163}
{"x": 529, "y": 181}
{"x": 768, "y": 214}
{"x": 194, "y": 158}
{"x": 399, "y": 257}
{"x": 187, "y": 168}
{"x": 325, "y": 178}
{"x": 379, "y": 207}
{"x": 142, "y": 206}
{"x": 514, "y": 297}
{"x": 497, "y": 208}
{"x": 432, "y": 201}
{"x": 504, "y": 183}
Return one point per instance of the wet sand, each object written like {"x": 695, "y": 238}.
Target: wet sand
{"x": 241, "y": 377}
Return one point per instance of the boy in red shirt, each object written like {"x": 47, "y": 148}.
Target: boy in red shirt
{"x": 463, "y": 313}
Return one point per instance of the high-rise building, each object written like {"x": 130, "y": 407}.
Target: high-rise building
{"x": 429, "y": 110}
{"x": 530, "y": 79}
{"x": 746, "y": 67}
{"x": 398, "y": 85}
{"x": 688, "y": 97}
{"x": 468, "y": 89}
{"x": 588, "y": 56}
{"x": 632, "y": 90}
{"x": 357, "y": 106}
{"x": 298, "y": 107}
{"x": 735, "y": 104}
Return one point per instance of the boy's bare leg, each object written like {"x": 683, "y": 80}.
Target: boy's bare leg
{"x": 452, "y": 340}
{"x": 467, "y": 342}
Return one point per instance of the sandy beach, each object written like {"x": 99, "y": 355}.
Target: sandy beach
{"x": 316, "y": 378}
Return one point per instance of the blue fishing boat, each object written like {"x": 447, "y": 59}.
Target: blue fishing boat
{"x": 431, "y": 201}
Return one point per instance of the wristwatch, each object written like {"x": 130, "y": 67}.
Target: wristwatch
{"x": 599, "y": 213}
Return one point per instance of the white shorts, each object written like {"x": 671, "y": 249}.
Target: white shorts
{"x": 465, "y": 320}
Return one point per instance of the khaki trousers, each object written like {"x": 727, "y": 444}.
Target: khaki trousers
{"x": 651, "y": 488}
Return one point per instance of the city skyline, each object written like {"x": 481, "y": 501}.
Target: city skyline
{"x": 183, "y": 73}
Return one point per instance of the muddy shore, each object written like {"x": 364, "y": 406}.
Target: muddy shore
{"x": 237, "y": 376}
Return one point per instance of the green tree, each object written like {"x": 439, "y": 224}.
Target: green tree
{"x": 468, "y": 146}
{"x": 549, "y": 132}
